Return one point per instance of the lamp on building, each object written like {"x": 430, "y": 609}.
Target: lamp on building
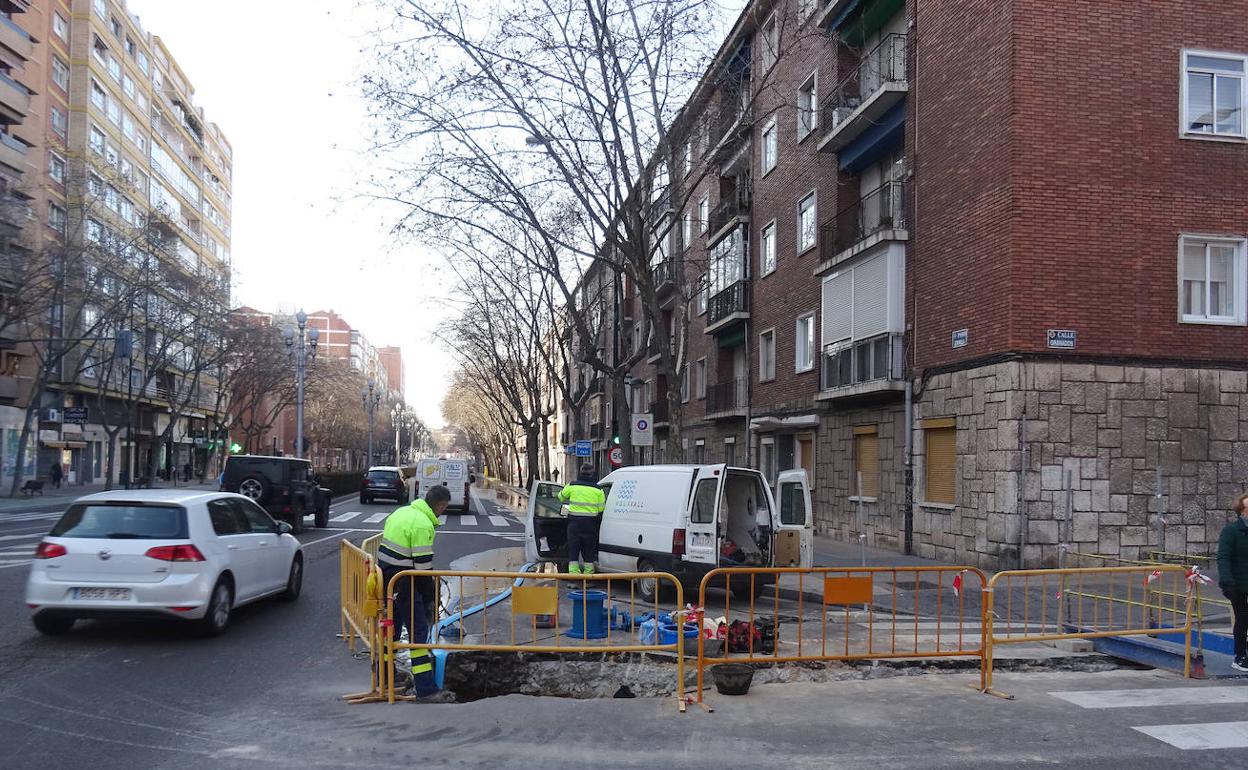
{"x": 371, "y": 396}
{"x": 301, "y": 349}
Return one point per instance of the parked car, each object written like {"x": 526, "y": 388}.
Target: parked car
{"x": 285, "y": 486}
{"x": 452, "y": 474}
{"x": 683, "y": 519}
{"x": 387, "y": 482}
{"x": 164, "y": 553}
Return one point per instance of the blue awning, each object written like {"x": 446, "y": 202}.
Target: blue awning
{"x": 875, "y": 141}
{"x": 844, "y": 14}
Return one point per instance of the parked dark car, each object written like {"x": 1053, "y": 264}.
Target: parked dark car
{"x": 285, "y": 486}
{"x": 386, "y": 482}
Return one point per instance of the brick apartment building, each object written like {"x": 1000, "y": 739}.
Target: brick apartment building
{"x": 978, "y": 267}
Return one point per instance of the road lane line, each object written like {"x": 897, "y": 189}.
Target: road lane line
{"x": 340, "y": 533}
{"x": 500, "y": 521}
{"x": 31, "y": 536}
{"x": 1211, "y": 735}
{"x": 376, "y": 518}
{"x": 347, "y": 516}
{"x": 1155, "y": 696}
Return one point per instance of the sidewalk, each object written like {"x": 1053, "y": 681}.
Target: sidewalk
{"x": 58, "y": 499}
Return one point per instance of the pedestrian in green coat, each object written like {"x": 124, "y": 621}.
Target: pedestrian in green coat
{"x": 1233, "y": 578}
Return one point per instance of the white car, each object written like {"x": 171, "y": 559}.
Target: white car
{"x": 161, "y": 553}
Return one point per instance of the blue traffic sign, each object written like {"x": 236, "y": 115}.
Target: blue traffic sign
{"x": 584, "y": 448}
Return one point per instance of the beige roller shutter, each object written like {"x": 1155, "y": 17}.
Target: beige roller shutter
{"x": 941, "y": 462}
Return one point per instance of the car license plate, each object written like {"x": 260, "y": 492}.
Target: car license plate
{"x": 107, "y": 594}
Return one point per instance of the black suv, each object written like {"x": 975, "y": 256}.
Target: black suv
{"x": 384, "y": 481}
{"x": 285, "y": 486}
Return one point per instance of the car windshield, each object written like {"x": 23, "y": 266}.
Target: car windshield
{"x": 123, "y": 521}
{"x": 382, "y": 476}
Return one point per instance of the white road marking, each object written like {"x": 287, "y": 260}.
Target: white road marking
{"x": 16, "y": 564}
{"x": 17, "y": 549}
{"x": 442, "y": 519}
{"x": 500, "y": 521}
{"x": 485, "y": 533}
{"x": 468, "y": 520}
{"x": 338, "y": 536}
{"x": 347, "y": 516}
{"x": 1212, "y": 735}
{"x": 376, "y": 518}
{"x": 31, "y": 536}
{"x": 1158, "y": 696}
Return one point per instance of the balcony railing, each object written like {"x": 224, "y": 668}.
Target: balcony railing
{"x": 727, "y": 397}
{"x": 734, "y": 299}
{"x": 854, "y": 363}
{"x": 884, "y": 64}
{"x": 597, "y": 431}
{"x": 664, "y": 276}
{"x": 734, "y": 117}
{"x": 661, "y": 411}
{"x": 727, "y": 212}
{"x": 884, "y": 208}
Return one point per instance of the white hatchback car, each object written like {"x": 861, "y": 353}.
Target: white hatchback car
{"x": 161, "y": 553}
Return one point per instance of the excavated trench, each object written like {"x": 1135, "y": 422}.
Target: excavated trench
{"x": 475, "y": 675}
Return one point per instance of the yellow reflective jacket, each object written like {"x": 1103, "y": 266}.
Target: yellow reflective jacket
{"x": 407, "y": 540}
{"x": 583, "y": 499}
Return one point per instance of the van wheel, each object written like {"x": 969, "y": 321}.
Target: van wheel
{"x": 647, "y": 588}
{"x": 322, "y": 516}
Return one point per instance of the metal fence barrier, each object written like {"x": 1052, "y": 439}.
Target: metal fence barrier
{"x": 534, "y": 617}
{"x": 360, "y": 612}
{"x": 1044, "y": 605}
{"x": 780, "y": 615}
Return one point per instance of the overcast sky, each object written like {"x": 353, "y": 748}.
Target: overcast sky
{"x": 278, "y": 77}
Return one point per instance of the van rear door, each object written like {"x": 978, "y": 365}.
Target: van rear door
{"x": 795, "y": 533}
{"x": 702, "y": 533}
{"x": 545, "y": 528}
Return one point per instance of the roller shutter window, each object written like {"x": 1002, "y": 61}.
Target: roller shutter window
{"x": 871, "y": 298}
{"x": 838, "y": 308}
{"x": 941, "y": 462}
{"x": 867, "y": 461}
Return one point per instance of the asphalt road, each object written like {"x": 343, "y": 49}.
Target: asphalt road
{"x": 152, "y": 695}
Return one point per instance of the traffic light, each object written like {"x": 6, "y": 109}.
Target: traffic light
{"x": 235, "y": 448}
{"x": 615, "y": 432}
{"x": 615, "y": 440}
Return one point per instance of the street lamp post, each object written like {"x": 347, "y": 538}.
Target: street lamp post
{"x": 371, "y": 396}
{"x": 301, "y": 348}
{"x": 397, "y": 413}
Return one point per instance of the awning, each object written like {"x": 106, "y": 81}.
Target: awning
{"x": 65, "y": 444}
{"x": 871, "y": 144}
{"x": 797, "y": 422}
{"x": 855, "y": 29}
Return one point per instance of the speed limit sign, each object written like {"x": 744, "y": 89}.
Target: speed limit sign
{"x": 617, "y": 457}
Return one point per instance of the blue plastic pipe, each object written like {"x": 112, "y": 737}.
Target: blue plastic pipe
{"x": 439, "y": 656}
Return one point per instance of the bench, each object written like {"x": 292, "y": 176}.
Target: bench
{"x": 31, "y": 487}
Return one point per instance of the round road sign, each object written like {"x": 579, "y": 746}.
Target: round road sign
{"x": 617, "y": 456}
{"x": 642, "y": 424}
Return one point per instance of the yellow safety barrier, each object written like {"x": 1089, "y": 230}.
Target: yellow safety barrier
{"x": 369, "y": 545}
{"x": 1087, "y": 603}
{"x": 532, "y": 622}
{"x": 361, "y": 606}
{"x": 863, "y": 613}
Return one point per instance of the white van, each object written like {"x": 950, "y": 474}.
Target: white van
{"x": 684, "y": 519}
{"x": 453, "y": 474}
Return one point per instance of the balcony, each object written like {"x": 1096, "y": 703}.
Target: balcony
{"x": 861, "y": 100}
{"x": 859, "y": 368}
{"x": 15, "y": 38}
{"x": 13, "y": 152}
{"x": 880, "y": 215}
{"x": 661, "y": 412}
{"x": 727, "y": 399}
{"x": 14, "y": 100}
{"x": 664, "y": 276}
{"x": 597, "y": 431}
{"x": 730, "y": 212}
{"x": 733, "y": 121}
{"x": 728, "y": 307}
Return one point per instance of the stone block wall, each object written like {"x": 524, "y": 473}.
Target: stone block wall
{"x": 835, "y": 513}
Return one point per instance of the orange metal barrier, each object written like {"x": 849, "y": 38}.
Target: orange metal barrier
{"x": 532, "y": 621}
{"x": 360, "y": 612}
{"x": 862, "y": 613}
{"x": 1087, "y": 603}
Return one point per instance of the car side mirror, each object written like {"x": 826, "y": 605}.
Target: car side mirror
{"x": 283, "y": 528}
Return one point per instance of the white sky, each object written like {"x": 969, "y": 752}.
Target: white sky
{"x": 278, "y": 77}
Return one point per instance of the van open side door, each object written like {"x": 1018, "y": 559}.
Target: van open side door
{"x": 546, "y": 527}
{"x": 795, "y": 530}
{"x": 702, "y": 537}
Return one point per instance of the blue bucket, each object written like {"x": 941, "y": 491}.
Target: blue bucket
{"x": 589, "y": 615}
{"x": 667, "y": 632}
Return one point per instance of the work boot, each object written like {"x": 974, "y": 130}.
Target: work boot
{"x": 441, "y": 696}
{"x": 574, "y": 568}
{"x": 589, "y": 569}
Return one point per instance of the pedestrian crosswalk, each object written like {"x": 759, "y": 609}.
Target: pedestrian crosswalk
{"x": 16, "y": 555}
{"x": 32, "y": 516}
{"x": 451, "y": 522}
{"x": 1177, "y": 702}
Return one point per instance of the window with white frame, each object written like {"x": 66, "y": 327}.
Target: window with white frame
{"x": 808, "y": 106}
{"x": 767, "y": 355}
{"x": 141, "y": 59}
{"x": 770, "y": 46}
{"x": 699, "y": 378}
{"x": 704, "y": 214}
{"x": 768, "y": 146}
{"x": 684, "y": 386}
{"x": 703, "y": 289}
{"x": 127, "y": 85}
{"x": 1215, "y": 89}
{"x": 114, "y": 111}
{"x": 687, "y": 229}
{"x": 114, "y": 68}
{"x": 99, "y": 97}
{"x": 767, "y": 248}
{"x": 56, "y": 218}
{"x": 1212, "y": 280}
{"x": 60, "y": 124}
{"x": 688, "y": 157}
{"x": 60, "y": 26}
{"x": 95, "y": 231}
{"x": 97, "y": 140}
{"x": 60, "y": 73}
{"x": 100, "y": 7}
{"x": 56, "y": 168}
{"x": 807, "y": 230}
{"x": 804, "y": 343}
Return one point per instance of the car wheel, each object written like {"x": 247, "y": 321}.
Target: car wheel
{"x": 52, "y": 625}
{"x": 647, "y": 588}
{"x": 296, "y": 518}
{"x": 220, "y": 603}
{"x": 364, "y": 500}
{"x": 294, "y": 583}
{"x": 322, "y": 516}
{"x": 255, "y": 487}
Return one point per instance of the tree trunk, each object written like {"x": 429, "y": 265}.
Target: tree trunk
{"x": 110, "y": 457}
{"x": 32, "y": 411}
